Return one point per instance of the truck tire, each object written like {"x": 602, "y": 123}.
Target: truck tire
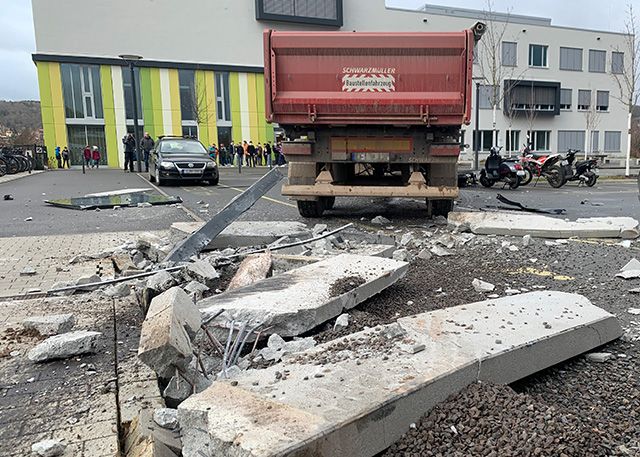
{"x": 439, "y": 207}
{"x": 310, "y": 208}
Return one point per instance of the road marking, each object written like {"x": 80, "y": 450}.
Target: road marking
{"x": 184, "y": 208}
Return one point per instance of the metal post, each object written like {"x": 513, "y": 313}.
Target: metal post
{"x": 135, "y": 116}
{"x": 476, "y": 164}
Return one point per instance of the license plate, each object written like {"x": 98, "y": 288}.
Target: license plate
{"x": 191, "y": 172}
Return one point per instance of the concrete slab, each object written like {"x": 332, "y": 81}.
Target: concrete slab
{"x": 297, "y": 301}
{"x": 247, "y": 233}
{"x": 357, "y": 395}
{"x": 519, "y": 224}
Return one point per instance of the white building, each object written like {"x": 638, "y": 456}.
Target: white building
{"x": 202, "y": 64}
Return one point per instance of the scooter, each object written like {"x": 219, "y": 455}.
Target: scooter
{"x": 542, "y": 165}
{"x": 584, "y": 171}
{"x": 498, "y": 169}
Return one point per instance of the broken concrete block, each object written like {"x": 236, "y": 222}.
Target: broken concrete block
{"x": 519, "y": 224}
{"x": 599, "y": 357}
{"x": 196, "y": 288}
{"x": 406, "y": 239}
{"x": 380, "y": 220}
{"x": 91, "y": 279}
{"x": 629, "y": 274}
{"x": 441, "y": 251}
{"x": 161, "y": 281}
{"x": 122, "y": 262}
{"x": 201, "y": 271}
{"x": 342, "y": 321}
{"x": 247, "y": 233}
{"x": 28, "y": 271}
{"x": 65, "y": 345}
{"x": 630, "y": 233}
{"x": 331, "y": 415}
{"x": 482, "y": 286}
{"x": 298, "y": 300}
{"x": 48, "y": 448}
{"x": 277, "y": 348}
{"x": 166, "y": 418}
{"x": 526, "y": 240}
{"x": 50, "y": 325}
{"x": 119, "y": 290}
{"x": 401, "y": 255}
{"x": 253, "y": 268}
{"x": 165, "y": 340}
{"x": 425, "y": 254}
{"x": 512, "y": 292}
{"x": 183, "y": 385}
{"x": 633, "y": 264}
{"x": 319, "y": 229}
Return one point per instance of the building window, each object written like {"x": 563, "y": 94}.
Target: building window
{"x": 79, "y": 136}
{"x": 527, "y": 96}
{"x": 321, "y": 12}
{"x": 222, "y": 99}
{"x": 486, "y": 140}
{"x": 513, "y": 140}
{"x": 597, "y": 61}
{"x": 565, "y": 99}
{"x": 128, "y": 92}
{"x": 617, "y": 63}
{"x": 82, "y": 92}
{"x": 602, "y": 100}
{"x": 571, "y": 139}
{"x": 595, "y": 140}
{"x": 188, "y": 102}
{"x": 190, "y": 131}
{"x": 540, "y": 140}
{"x": 509, "y": 54}
{"x": 584, "y": 100}
{"x": 571, "y": 59}
{"x": 538, "y": 55}
{"x": 487, "y": 94}
{"x": 612, "y": 141}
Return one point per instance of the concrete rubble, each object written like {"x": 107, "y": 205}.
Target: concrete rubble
{"x": 201, "y": 271}
{"x": 48, "y": 448}
{"x": 65, "y": 345}
{"x": 519, "y": 224}
{"x": 161, "y": 281}
{"x": 50, "y": 325}
{"x": 368, "y": 389}
{"x": 253, "y": 268}
{"x": 482, "y": 286}
{"x": 166, "y": 418}
{"x": 299, "y": 300}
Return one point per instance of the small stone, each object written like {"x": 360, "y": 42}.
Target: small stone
{"x": 28, "y": 271}
{"x": 401, "y": 255}
{"x": 28, "y": 219}
{"x": 197, "y": 288}
{"x": 633, "y": 264}
{"x": 166, "y": 418}
{"x": 91, "y": 279}
{"x": 512, "y": 291}
{"x": 417, "y": 348}
{"x": 482, "y": 286}
{"x": 161, "y": 281}
{"x": 342, "y": 321}
{"x": 144, "y": 205}
{"x": 425, "y": 254}
{"x": 120, "y": 290}
{"x": 406, "y": 239}
{"x": 380, "y": 220}
{"x": 319, "y": 229}
{"x": 599, "y": 357}
{"x": 498, "y": 341}
{"x": 526, "y": 240}
{"x": 48, "y": 448}
{"x": 441, "y": 251}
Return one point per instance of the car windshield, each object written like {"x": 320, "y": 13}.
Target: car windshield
{"x": 182, "y": 147}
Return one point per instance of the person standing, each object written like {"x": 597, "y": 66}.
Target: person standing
{"x": 65, "y": 157}
{"x": 232, "y": 153}
{"x": 213, "y": 152}
{"x": 87, "y": 157}
{"x": 58, "y": 156}
{"x": 222, "y": 153}
{"x": 245, "y": 148}
{"x": 240, "y": 154}
{"x": 129, "y": 149}
{"x": 251, "y": 150}
{"x": 259, "y": 155}
{"x": 95, "y": 155}
{"x": 146, "y": 145}
{"x": 267, "y": 154}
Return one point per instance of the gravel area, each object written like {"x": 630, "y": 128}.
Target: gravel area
{"x": 580, "y": 408}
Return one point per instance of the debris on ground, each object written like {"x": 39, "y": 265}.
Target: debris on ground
{"x": 134, "y": 199}
{"x": 253, "y": 268}
{"x": 599, "y": 357}
{"x": 48, "y": 448}
{"x": 380, "y": 220}
{"x": 65, "y": 345}
{"x": 50, "y": 325}
{"x": 166, "y": 418}
{"x": 521, "y": 207}
{"x": 482, "y": 286}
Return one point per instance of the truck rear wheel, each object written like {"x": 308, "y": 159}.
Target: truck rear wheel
{"x": 439, "y": 207}
{"x": 310, "y": 208}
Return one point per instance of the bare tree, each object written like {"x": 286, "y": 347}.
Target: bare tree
{"x": 627, "y": 75}
{"x": 531, "y": 114}
{"x": 591, "y": 119}
{"x": 202, "y": 111}
{"x": 500, "y": 77}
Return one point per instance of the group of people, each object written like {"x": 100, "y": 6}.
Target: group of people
{"x": 91, "y": 156}
{"x": 146, "y": 145}
{"x": 62, "y": 157}
{"x": 248, "y": 154}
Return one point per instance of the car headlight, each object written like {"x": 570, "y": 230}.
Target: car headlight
{"x": 211, "y": 164}
{"x": 165, "y": 164}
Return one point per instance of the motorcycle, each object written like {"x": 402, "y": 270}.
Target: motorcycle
{"x": 542, "y": 165}
{"x": 498, "y": 169}
{"x": 584, "y": 170}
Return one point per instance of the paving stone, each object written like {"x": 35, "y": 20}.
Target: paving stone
{"x": 298, "y": 300}
{"x": 65, "y": 345}
{"x": 370, "y": 390}
{"x": 50, "y": 325}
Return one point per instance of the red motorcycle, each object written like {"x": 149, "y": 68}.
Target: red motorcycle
{"x": 541, "y": 165}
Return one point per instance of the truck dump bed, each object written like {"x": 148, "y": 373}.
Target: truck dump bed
{"x": 341, "y": 78}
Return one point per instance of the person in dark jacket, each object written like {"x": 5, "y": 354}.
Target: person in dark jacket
{"x": 129, "y": 150}
{"x": 240, "y": 155}
{"x": 146, "y": 145}
{"x": 267, "y": 153}
{"x": 58, "y": 156}
{"x": 65, "y": 157}
{"x": 251, "y": 151}
{"x": 87, "y": 156}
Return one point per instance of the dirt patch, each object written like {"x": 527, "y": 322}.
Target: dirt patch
{"x": 344, "y": 285}
{"x": 20, "y": 335}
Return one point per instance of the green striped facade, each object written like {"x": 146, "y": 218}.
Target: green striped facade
{"x": 161, "y": 107}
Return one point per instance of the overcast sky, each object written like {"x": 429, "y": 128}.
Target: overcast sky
{"x": 18, "y": 79}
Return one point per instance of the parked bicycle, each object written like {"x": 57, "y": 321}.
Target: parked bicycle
{"x": 15, "y": 160}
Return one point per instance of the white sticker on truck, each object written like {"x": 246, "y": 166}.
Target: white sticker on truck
{"x": 368, "y": 83}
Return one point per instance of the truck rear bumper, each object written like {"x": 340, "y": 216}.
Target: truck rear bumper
{"x": 324, "y": 187}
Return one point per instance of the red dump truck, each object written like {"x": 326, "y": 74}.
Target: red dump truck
{"x": 370, "y": 114}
